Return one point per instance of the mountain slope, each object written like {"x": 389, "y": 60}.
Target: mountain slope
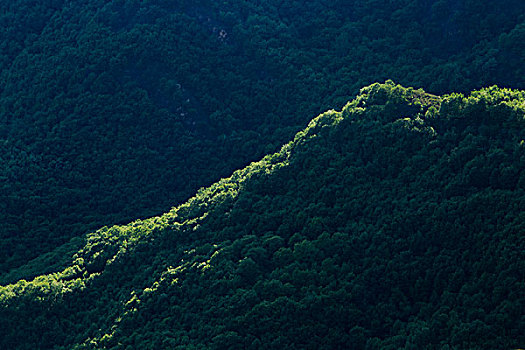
{"x": 395, "y": 223}
{"x": 113, "y": 110}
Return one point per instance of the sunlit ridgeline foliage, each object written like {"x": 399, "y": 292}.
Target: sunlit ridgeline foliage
{"x": 393, "y": 223}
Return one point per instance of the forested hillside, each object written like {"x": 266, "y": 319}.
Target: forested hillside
{"x": 396, "y": 223}
{"x": 116, "y": 110}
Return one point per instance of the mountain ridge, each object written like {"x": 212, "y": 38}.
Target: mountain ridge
{"x": 381, "y": 226}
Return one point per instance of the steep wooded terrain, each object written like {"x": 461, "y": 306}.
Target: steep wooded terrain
{"x": 396, "y": 223}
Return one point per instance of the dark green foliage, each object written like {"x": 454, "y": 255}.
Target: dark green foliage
{"x": 113, "y": 110}
{"x": 367, "y": 231}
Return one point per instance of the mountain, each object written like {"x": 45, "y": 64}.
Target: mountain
{"x": 394, "y": 223}
{"x": 113, "y": 110}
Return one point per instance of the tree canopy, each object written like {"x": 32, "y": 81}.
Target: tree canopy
{"x": 394, "y": 223}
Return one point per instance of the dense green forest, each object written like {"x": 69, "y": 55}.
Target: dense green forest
{"x": 147, "y": 200}
{"x": 395, "y": 223}
{"x": 117, "y": 110}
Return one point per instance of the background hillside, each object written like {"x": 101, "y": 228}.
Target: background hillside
{"x": 396, "y": 223}
{"x": 115, "y": 110}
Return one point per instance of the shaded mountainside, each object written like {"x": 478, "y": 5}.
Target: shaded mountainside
{"x": 112, "y": 110}
{"x": 395, "y": 223}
